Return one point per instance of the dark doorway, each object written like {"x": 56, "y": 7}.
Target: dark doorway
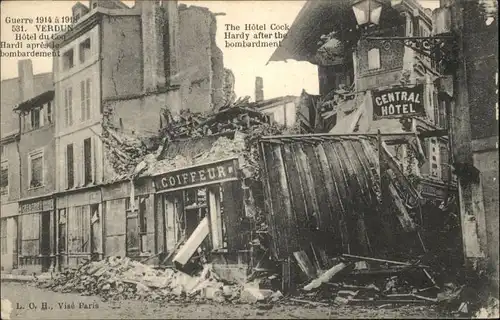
{"x": 195, "y": 208}
{"x": 45, "y": 241}
{"x": 16, "y": 243}
{"x": 95, "y": 236}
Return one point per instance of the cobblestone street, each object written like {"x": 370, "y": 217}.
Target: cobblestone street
{"x": 59, "y": 306}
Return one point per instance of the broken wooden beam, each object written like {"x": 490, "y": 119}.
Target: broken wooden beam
{"x": 189, "y": 248}
{"x": 386, "y": 301}
{"x": 431, "y": 278}
{"x": 325, "y": 277}
{"x": 386, "y": 272}
{"x": 368, "y": 287}
{"x": 402, "y": 213}
{"x": 424, "y": 298}
{"x": 383, "y": 260}
{"x": 411, "y": 295}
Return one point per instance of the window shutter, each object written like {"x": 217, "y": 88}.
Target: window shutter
{"x": 81, "y": 164}
{"x": 66, "y": 108}
{"x": 88, "y": 98}
{"x": 82, "y": 101}
{"x": 42, "y": 115}
{"x": 28, "y": 118}
{"x": 63, "y": 179}
{"x": 87, "y": 160}
{"x": 70, "y": 172}
{"x": 94, "y": 160}
{"x": 70, "y": 104}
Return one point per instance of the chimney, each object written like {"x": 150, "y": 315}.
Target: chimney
{"x": 79, "y": 10}
{"x": 108, "y": 4}
{"x": 93, "y": 4}
{"x": 152, "y": 46}
{"x": 26, "y": 82}
{"x": 259, "y": 89}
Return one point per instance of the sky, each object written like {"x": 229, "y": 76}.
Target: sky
{"x": 280, "y": 78}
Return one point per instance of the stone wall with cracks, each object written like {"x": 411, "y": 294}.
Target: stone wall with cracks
{"x": 201, "y": 65}
{"x": 122, "y": 69}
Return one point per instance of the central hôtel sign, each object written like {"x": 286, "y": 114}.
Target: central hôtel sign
{"x": 196, "y": 176}
{"x": 397, "y": 102}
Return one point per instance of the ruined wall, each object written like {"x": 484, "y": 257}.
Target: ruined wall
{"x": 218, "y": 76}
{"x": 487, "y": 163}
{"x": 228, "y": 86}
{"x": 122, "y": 67}
{"x": 200, "y": 63}
{"x": 123, "y": 114}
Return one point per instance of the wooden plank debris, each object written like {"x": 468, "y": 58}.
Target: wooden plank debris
{"x": 325, "y": 277}
{"x": 305, "y": 264}
{"x": 386, "y": 301}
{"x": 383, "y": 260}
{"x": 402, "y": 214}
{"x": 193, "y": 242}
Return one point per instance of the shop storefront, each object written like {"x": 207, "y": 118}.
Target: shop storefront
{"x": 79, "y": 227}
{"x": 129, "y": 227}
{"x": 200, "y": 206}
{"x": 36, "y": 240}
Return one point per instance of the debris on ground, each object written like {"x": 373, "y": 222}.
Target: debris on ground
{"x": 347, "y": 282}
{"x": 491, "y": 311}
{"x": 358, "y": 280}
{"x": 116, "y": 278}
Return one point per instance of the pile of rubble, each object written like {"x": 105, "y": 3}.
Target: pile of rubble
{"x": 364, "y": 280}
{"x": 222, "y": 148}
{"x": 352, "y": 280}
{"x": 116, "y": 278}
{"x": 491, "y": 311}
{"x": 130, "y": 156}
{"x": 126, "y": 152}
{"x": 239, "y": 116}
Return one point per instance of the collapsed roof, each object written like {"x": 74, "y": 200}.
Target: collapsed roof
{"x": 332, "y": 187}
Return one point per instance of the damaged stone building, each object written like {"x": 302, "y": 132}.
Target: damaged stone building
{"x": 28, "y": 169}
{"x": 353, "y": 70}
{"x": 120, "y": 70}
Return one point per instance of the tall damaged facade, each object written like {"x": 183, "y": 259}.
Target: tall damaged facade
{"x": 120, "y": 73}
{"x": 106, "y": 157}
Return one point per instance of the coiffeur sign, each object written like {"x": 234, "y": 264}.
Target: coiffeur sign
{"x": 402, "y": 101}
{"x": 196, "y": 176}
